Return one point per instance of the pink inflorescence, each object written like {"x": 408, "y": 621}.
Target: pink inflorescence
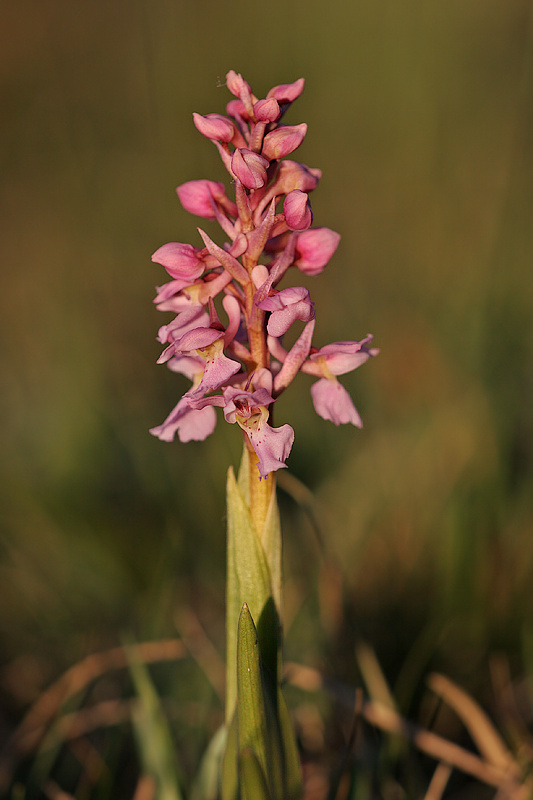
{"x": 239, "y": 363}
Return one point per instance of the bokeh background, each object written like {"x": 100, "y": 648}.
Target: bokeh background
{"x": 420, "y": 115}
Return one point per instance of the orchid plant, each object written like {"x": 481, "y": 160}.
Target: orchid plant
{"x": 239, "y": 363}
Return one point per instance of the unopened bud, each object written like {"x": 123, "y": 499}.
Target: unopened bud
{"x": 297, "y": 211}
{"x": 287, "y": 92}
{"x": 215, "y": 126}
{"x": 197, "y": 197}
{"x": 282, "y": 141}
{"x": 314, "y": 248}
{"x": 267, "y": 110}
{"x": 250, "y": 168}
{"x": 180, "y": 260}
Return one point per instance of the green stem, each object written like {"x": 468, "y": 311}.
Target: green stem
{"x": 253, "y": 568}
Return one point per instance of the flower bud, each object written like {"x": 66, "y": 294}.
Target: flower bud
{"x": 267, "y": 110}
{"x": 180, "y": 260}
{"x": 215, "y": 126}
{"x": 292, "y": 175}
{"x": 237, "y": 85}
{"x": 286, "y": 307}
{"x": 235, "y": 108}
{"x": 197, "y": 197}
{"x": 297, "y": 211}
{"x": 314, "y": 249}
{"x": 287, "y": 92}
{"x": 250, "y": 168}
{"x": 282, "y": 141}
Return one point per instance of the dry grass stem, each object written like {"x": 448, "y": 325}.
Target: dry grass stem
{"x": 449, "y": 753}
{"x": 38, "y": 719}
{"x": 439, "y": 781}
{"x": 488, "y": 741}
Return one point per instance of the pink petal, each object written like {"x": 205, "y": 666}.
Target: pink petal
{"x": 332, "y": 402}
{"x": 286, "y": 307}
{"x": 272, "y": 446}
{"x": 218, "y": 369}
{"x": 191, "y": 424}
{"x": 190, "y": 366}
{"x": 343, "y": 357}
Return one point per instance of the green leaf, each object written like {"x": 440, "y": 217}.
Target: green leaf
{"x": 205, "y": 784}
{"x": 248, "y": 581}
{"x": 155, "y": 744}
{"x": 253, "y": 780}
{"x": 257, "y": 711}
{"x": 251, "y": 702}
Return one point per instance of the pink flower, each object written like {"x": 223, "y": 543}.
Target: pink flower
{"x": 332, "y": 402}
{"x": 192, "y": 317}
{"x": 241, "y": 364}
{"x": 330, "y": 399}
{"x": 314, "y": 249}
{"x": 250, "y": 410}
{"x": 180, "y": 260}
{"x": 286, "y": 307}
{"x": 209, "y": 345}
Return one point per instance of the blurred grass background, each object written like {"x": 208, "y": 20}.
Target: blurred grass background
{"x": 421, "y": 117}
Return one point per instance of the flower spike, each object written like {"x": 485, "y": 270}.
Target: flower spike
{"x": 240, "y": 364}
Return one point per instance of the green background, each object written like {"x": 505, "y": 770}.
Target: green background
{"x": 420, "y": 117}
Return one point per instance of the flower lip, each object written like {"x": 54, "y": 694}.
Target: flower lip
{"x": 332, "y": 402}
{"x": 250, "y": 411}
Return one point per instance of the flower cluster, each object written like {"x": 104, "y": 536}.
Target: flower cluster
{"x": 239, "y": 363}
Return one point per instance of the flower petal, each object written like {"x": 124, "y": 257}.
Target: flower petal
{"x": 332, "y": 402}
{"x": 191, "y": 424}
